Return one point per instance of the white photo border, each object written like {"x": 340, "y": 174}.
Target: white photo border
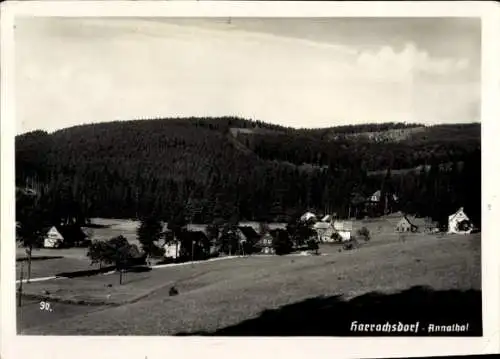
{"x": 18, "y": 346}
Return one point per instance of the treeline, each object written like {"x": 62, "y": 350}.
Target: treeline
{"x": 189, "y": 168}
{"x": 373, "y": 127}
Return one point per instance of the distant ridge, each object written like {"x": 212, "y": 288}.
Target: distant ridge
{"x": 230, "y": 165}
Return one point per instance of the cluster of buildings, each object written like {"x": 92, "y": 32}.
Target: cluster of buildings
{"x": 326, "y": 229}
{"x": 262, "y": 235}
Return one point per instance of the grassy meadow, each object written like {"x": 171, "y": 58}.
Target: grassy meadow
{"x": 269, "y": 295}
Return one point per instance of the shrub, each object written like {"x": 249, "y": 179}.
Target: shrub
{"x": 336, "y": 237}
{"x": 364, "y": 233}
{"x": 282, "y": 243}
{"x": 312, "y": 245}
{"x": 173, "y": 291}
{"x": 351, "y": 244}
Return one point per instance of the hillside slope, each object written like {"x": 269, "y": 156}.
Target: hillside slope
{"x": 220, "y": 167}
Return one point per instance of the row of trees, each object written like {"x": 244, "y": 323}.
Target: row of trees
{"x": 222, "y": 238}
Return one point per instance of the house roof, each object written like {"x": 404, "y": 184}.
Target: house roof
{"x": 321, "y": 225}
{"x": 255, "y": 225}
{"x": 343, "y": 225}
{"x": 197, "y": 228}
{"x": 307, "y": 216}
{"x": 248, "y": 232}
{"x": 407, "y": 221}
{"x": 376, "y": 194}
{"x": 273, "y": 226}
{"x": 458, "y": 213}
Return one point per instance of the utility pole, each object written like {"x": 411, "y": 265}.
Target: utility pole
{"x": 19, "y": 298}
{"x": 192, "y": 252}
{"x": 192, "y": 240}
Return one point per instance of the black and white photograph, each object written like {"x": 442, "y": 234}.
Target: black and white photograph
{"x": 246, "y": 176}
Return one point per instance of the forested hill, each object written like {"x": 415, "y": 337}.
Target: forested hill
{"x": 215, "y": 168}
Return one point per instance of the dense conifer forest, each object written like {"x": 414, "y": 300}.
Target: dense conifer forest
{"x": 202, "y": 169}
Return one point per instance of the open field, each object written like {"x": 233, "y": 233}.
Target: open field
{"x": 295, "y": 295}
{"x": 115, "y": 227}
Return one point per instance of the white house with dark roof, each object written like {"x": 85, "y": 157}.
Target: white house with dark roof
{"x": 459, "y": 222}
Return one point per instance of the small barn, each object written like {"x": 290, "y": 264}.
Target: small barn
{"x": 405, "y": 225}
{"x": 459, "y": 222}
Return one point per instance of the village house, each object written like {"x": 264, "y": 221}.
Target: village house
{"x": 64, "y": 236}
{"x": 198, "y": 241}
{"x": 375, "y": 197}
{"x": 344, "y": 229}
{"x": 405, "y": 225}
{"x": 324, "y": 231}
{"x": 170, "y": 243}
{"x": 266, "y": 244}
{"x": 459, "y": 222}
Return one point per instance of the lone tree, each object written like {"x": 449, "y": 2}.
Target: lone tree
{"x": 117, "y": 251}
{"x": 96, "y": 252}
{"x": 304, "y": 233}
{"x": 148, "y": 234}
{"x": 229, "y": 240}
{"x": 282, "y": 243}
{"x": 312, "y": 245}
{"x": 31, "y": 227}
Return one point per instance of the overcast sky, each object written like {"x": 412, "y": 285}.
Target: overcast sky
{"x": 293, "y": 72}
